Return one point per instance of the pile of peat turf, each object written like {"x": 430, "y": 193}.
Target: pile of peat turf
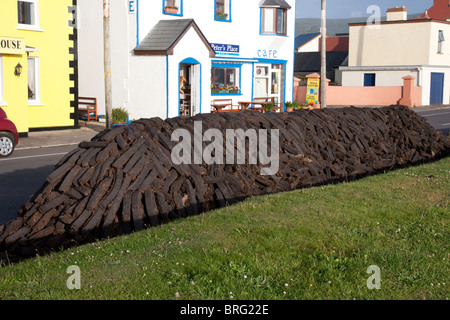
{"x": 124, "y": 179}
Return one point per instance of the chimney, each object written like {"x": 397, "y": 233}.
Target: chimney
{"x": 397, "y": 14}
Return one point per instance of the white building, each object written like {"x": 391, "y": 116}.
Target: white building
{"x": 381, "y": 55}
{"x": 225, "y": 49}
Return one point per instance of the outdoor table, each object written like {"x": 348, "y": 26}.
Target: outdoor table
{"x": 219, "y": 107}
{"x": 244, "y": 105}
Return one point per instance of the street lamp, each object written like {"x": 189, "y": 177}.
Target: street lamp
{"x": 18, "y": 70}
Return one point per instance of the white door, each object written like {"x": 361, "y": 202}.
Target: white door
{"x": 195, "y": 88}
{"x": 262, "y": 77}
{"x": 269, "y": 81}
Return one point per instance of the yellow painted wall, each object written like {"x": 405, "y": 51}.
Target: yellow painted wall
{"x": 14, "y": 92}
{"x": 52, "y": 42}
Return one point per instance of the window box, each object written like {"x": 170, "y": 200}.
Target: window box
{"x": 225, "y": 90}
{"x": 221, "y": 15}
{"x": 173, "y": 10}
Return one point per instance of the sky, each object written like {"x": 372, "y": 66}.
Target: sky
{"x": 337, "y": 9}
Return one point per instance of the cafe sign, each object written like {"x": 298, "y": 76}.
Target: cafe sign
{"x": 10, "y": 45}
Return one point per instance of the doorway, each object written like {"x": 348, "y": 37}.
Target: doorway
{"x": 269, "y": 82}
{"x": 189, "y": 89}
{"x": 437, "y": 88}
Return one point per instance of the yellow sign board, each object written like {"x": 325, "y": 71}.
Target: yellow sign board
{"x": 312, "y": 91}
{"x": 10, "y": 45}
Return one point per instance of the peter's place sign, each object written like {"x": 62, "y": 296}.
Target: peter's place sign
{"x": 12, "y": 45}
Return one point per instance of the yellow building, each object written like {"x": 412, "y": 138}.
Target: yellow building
{"x": 38, "y": 70}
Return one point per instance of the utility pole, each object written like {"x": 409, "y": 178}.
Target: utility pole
{"x": 323, "y": 55}
{"x": 107, "y": 62}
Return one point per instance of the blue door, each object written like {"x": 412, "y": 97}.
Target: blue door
{"x": 437, "y": 88}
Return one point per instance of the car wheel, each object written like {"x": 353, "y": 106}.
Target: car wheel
{"x": 7, "y": 144}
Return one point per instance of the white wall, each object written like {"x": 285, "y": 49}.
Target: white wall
{"x": 403, "y": 43}
{"x": 148, "y": 72}
{"x": 389, "y": 78}
{"x": 90, "y": 51}
{"x": 391, "y": 44}
{"x": 311, "y": 46}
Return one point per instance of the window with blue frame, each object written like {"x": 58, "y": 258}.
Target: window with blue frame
{"x": 274, "y": 17}
{"x": 274, "y": 21}
{"x": 222, "y": 10}
{"x": 369, "y": 80}
{"x": 174, "y": 7}
{"x": 225, "y": 79}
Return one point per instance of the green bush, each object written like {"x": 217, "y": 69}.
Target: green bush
{"x": 120, "y": 115}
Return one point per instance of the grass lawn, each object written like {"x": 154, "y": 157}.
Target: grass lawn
{"x": 313, "y": 243}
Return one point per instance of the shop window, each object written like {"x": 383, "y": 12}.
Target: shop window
{"x": 223, "y": 10}
{"x": 173, "y": 7}
{"x": 274, "y": 21}
{"x": 33, "y": 80}
{"x": 27, "y": 11}
{"x": 441, "y": 40}
{"x": 224, "y": 80}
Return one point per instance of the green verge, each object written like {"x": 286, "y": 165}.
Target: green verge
{"x": 315, "y": 243}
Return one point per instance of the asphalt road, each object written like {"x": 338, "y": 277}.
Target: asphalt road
{"x": 438, "y": 118}
{"x": 25, "y": 171}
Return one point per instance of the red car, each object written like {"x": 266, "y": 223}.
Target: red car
{"x": 9, "y": 137}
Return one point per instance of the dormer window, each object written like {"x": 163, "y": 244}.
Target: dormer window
{"x": 274, "y": 17}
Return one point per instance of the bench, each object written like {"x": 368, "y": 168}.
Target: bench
{"x": 87, "y": 108}
{"x": 219, "y": 105}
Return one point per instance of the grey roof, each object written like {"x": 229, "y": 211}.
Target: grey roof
{"x": 310, "y": 61}
{"x": 165, "y": 35}
{"x": 274, "y": 3}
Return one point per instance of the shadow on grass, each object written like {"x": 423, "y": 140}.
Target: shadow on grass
{"x": 21, "y": 250}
